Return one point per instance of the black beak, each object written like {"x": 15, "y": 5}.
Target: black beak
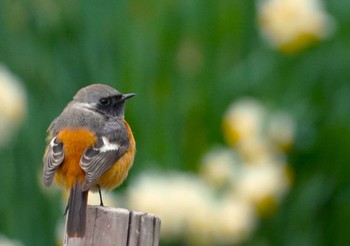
{"x": 127, "y": 96}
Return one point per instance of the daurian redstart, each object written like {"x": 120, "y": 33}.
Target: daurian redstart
{"x": 91, "y": 146}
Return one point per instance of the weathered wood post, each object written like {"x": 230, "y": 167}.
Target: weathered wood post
{"x": 118, "y": 227}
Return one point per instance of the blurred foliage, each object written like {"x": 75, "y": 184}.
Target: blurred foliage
{"x": 186, "y": 60}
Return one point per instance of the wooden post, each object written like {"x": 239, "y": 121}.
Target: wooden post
{"x": 118, "y": 227}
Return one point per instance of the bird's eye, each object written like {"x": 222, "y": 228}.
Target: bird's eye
{"x": 105, "y": 101}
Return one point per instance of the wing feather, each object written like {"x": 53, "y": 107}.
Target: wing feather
{"x": 101, "y": 157}
{"x": 53, "y": 157}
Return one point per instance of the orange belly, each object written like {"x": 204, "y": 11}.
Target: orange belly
{"x": 75, "y": 142}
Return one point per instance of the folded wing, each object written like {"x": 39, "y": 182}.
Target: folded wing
{"x": 98, "y": 159}
{"x": 53, "y": 157}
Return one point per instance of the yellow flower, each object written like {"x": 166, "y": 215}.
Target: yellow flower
{"x": 292, "y": 25}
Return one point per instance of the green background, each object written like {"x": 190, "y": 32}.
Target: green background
{"x": 57, "y": 47}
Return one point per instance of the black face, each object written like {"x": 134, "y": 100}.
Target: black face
{"x": 111, "y": 106}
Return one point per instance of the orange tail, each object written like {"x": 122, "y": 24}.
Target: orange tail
{"x": 77, "y": 203}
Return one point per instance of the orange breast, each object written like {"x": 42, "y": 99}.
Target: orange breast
{"x": 75, "y": 142}
{"x": 118, "y": 172}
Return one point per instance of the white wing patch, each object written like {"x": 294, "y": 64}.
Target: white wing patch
{"x": 52, "y": 142}
{"x": 108, "y": 146}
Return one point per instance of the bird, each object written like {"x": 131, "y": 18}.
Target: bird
{"x": 90, "y": 146}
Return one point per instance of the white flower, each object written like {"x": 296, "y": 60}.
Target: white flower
{"x": 243, "y": 120}
{"x": 265, "y": 182}
{"x": 230, "y": 220}
{"x": 13, "y": 104}
{"x": 189, "y": 209}
{"x": 290, "y": 25}
{"x": 235, "y": 221}
{"x": 220, "y": 166}
{"x": 256, "y": 150}
{"x": 175, "y": 197}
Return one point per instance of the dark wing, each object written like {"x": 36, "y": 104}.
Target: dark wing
{"x": 102, "y": 156}
{"x": 53, "y": 157}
